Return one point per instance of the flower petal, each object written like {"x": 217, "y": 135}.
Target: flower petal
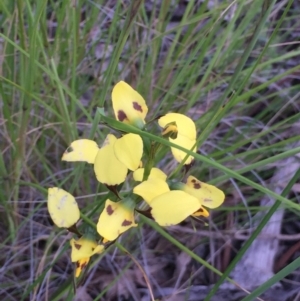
{"x": 173, "y": 207}
{"x": 116, "y": 218}
{"x": 62, "y": 207}
{"x": 84, "y": 248}
{"x": 81, "y": 150}
{"x": 129, "y": 106}
{"x": 185, "y": 142}
{"x": 154, "y": 173}
{"x": 201, "y": 212}
{"x": 208, "y": 195}
{"x": 150, "y": 189}
{"x": 108, "y": 169}
{"x": 186, "y": 126}
{"x": 80, "y": 265}
{"x": 129, "y": 150}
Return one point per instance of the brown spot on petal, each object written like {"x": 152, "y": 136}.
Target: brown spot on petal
{"x": 137, "y": 107}
{"x": 121, "y": 115}
{"x": 109, "y": 210}
{"x": 84, "y": 264}
{"x": 193, "y": 181}
{"x": 77, "y": 264}
{"x": 93, "y": 249}
{"x": 126, "y": 223}
{"x": 77, "y": 246}
{"x": 197, "y": 185}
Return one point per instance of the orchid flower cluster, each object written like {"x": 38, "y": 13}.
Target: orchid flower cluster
{"x": 168, "y": 203}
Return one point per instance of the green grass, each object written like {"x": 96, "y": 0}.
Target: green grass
{"x": 232, "y": 67}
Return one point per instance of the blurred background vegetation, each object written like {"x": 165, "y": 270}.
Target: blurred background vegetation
{"x": 232, "y": 66}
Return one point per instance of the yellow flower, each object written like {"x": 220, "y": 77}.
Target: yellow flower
{"x": 186, "y": 134}
{"x": 168, "y": 207}
{"x": 208, "y": 195}
{"x": 116, "y": 218}
{"x": 82, "y": 250}
{"x": 112, "y": 160}
{"x": 129, "y": 106}
{"x": 62, "y": 207}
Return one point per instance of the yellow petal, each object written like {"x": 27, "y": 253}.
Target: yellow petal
{"x": 110, "y": 139}
{"x": 186, "y": 126}
{"x": 150, "y": 189}
{"x": 173, "y": 207}
{"x": 129, "y": 150}
{"x": 62, "y": 207}
{"x": 201, "y": 212}
{"x": 116, "y": 218}
{"x": 154, "y": 173}
{"x": 186, "y": 143}
{"x": 108, "y": 169}
{"x": 81, "y": 150}
{"x": 208, "y": 195}
{"x": 80, "y": 265}
{"x": 83, "y": 248}
{"x": 129, "y": 106}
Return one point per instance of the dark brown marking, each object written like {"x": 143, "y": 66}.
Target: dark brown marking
{"x": 121, "y": 115}
{"x": 197, "y": 185}
{"x": 93, "y": 249}
{"x": 77, "y": 246}
{"x": 193, "y": 181}
{"x": 126, "y": 223}
{"x": 84, "y": 264}
{"x": 109, "y": 210}
{"x": 137, "y": 107}
{"x": 77, "y": 264}
{"x": 200, "y": 210}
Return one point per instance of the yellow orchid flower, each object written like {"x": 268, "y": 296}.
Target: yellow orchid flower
{"x": 129, "y": 106}
{"x": 62, "y": 207}
{"x": 208, "y": 195}
{"x": 112, "y": 160}
{"x": 185, "y": 137}
{"x": 168, "y": 207}
{"x": 116, "y": 218}
{"x": 116, "y": 157}
{"x": 82, "y": 250}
